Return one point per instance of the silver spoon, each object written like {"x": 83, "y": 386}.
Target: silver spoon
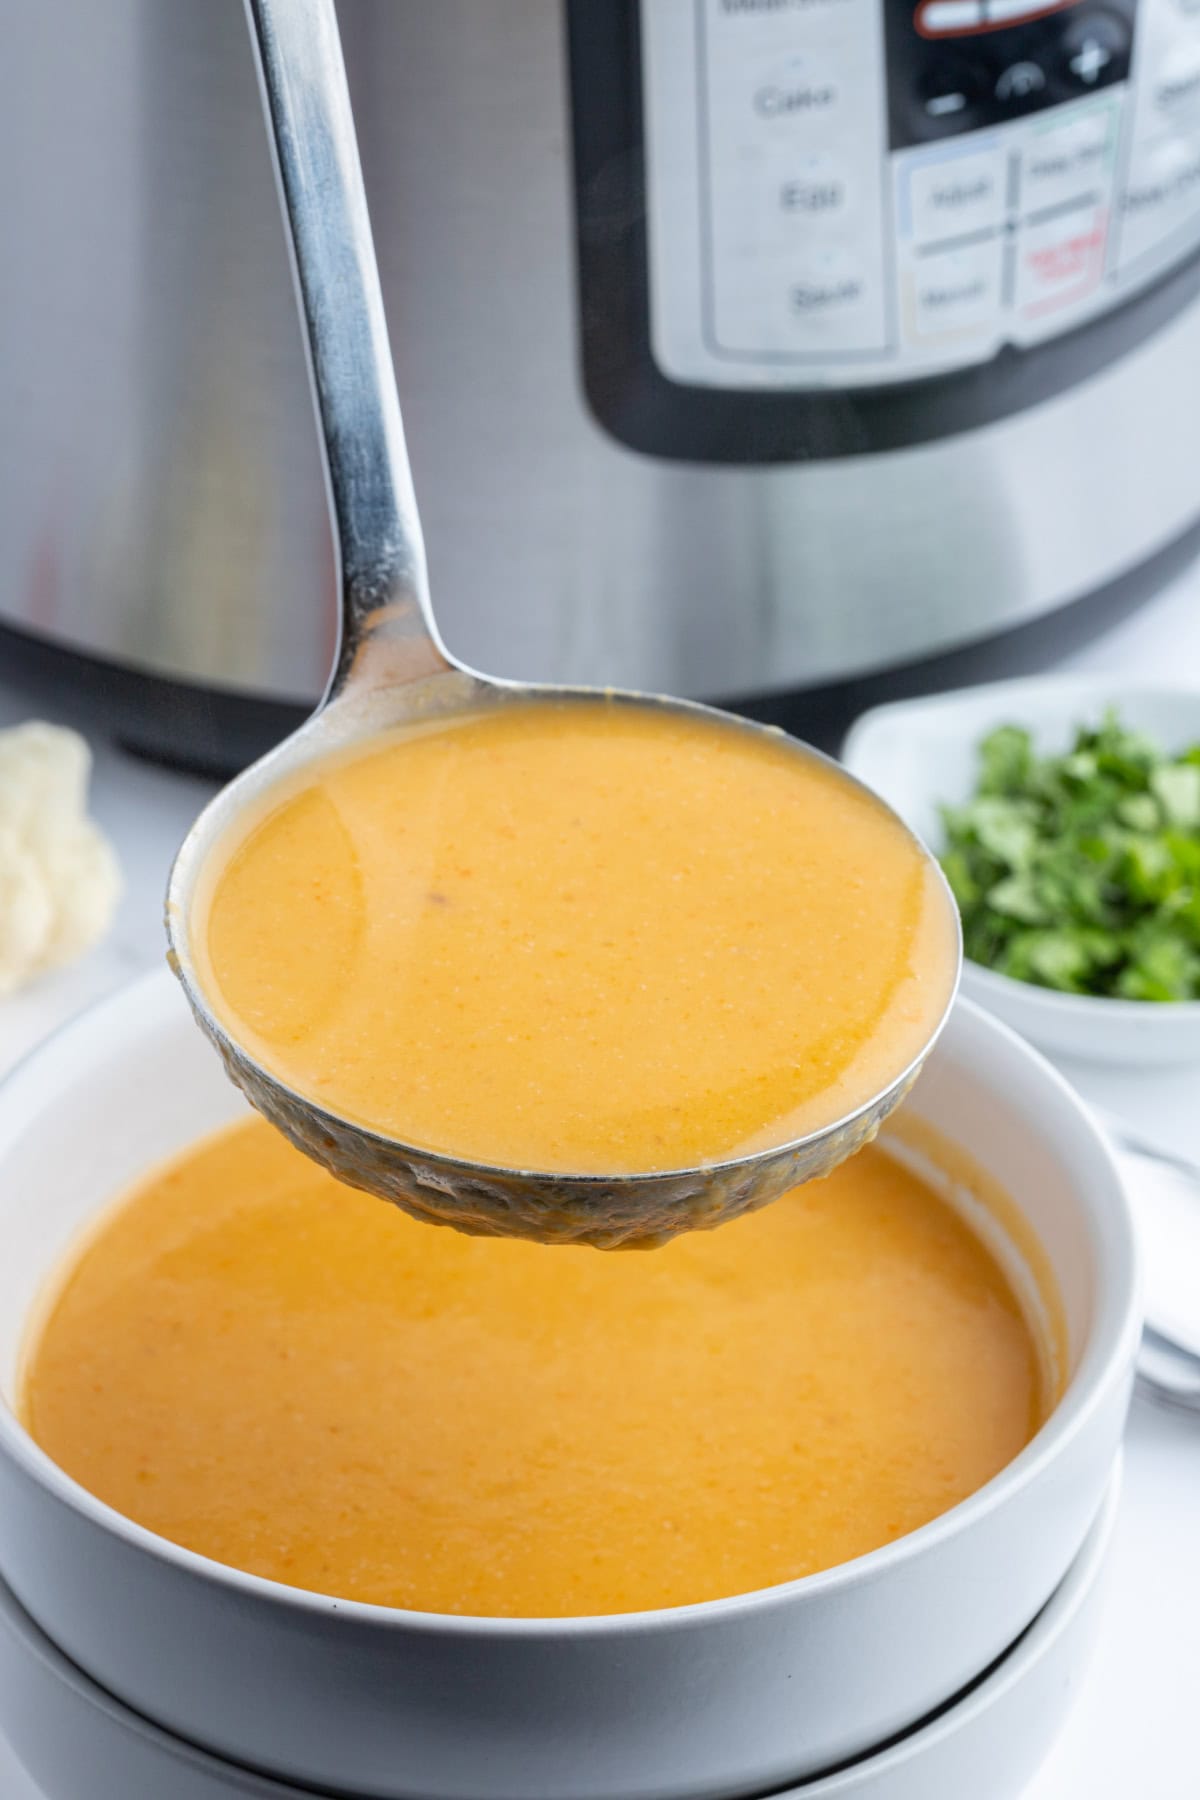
{"x": 1165, "y": 1189}
{"x": 392, "y": 668}
{"x": 1166, "y": 1374}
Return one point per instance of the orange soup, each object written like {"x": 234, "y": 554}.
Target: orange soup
{"x": 292, "y": 1378}
{"x": 578, "y": 937}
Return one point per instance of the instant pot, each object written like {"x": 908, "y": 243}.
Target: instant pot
{"x": 747, "y": 347}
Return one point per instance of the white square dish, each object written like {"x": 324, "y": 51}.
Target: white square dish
{"x": 920, "y": 754}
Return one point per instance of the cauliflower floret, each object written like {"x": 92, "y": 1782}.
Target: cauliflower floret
{"x": 84, "y": 875}
{"x": 26, "y": 911}
{"x": 44, "y": 773}
{"x": 59, "y": 876}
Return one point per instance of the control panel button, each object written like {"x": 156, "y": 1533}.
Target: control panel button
{"x": 823, "y": 300}
{"x": 1018, "y": 12}
{"x": 1094, "y": 50}
{"x": 830, "y": 299}
{"x": 1060, "y": 261}
{"x": 948, "y": 96}
{"x": 1009, "y": 12}
{"x": 938, "y": 16}
{"x": 827, "y": 297}
{"x": 1177, "y": 84}
{"x": 805, "y": 87}
{"x": 955, "y": 292}
{"x": 951, "y": 195}
{"x": 1088, "y": 63}
{"x": 1020, "y": 82}
{"x": 1161, "y": 202}
{"x": 816, "y": 187}
{"x": 1067, "y": 161}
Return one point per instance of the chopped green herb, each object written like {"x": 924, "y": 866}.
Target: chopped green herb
{"x": 1081, "y": 872}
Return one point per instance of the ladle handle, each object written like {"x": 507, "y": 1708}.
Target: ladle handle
{"x": 381, "y": 552}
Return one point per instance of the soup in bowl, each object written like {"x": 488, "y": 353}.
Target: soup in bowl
{"x": 312, "y": 1387}
{"x": 394, "y": 1511}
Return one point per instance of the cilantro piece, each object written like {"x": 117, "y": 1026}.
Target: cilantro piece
{"x": 1081, "y": 871}
{"x": 1177, "y": 788}
{"x": 1005, "y": 760}
{"x": 1018, "y": 898}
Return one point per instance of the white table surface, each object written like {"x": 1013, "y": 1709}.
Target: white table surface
{"x": 1134, "y": 1734}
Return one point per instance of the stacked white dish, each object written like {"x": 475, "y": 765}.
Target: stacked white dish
{"x": 746, "y": 1696}
{"x": 72, "y": 1738}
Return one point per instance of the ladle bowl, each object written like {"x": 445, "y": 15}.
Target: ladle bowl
{"x": 392, "y": 671}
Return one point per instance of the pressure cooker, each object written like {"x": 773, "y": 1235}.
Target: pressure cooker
{"x": 746, "y": 346}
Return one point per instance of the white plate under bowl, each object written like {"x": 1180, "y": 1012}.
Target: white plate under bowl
{"x": 75, "y": 1740}
{"x": 921, "y": 753}
{"x": 735, "y": 1696}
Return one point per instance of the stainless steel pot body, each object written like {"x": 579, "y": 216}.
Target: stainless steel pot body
{"x": 161, "y": 501}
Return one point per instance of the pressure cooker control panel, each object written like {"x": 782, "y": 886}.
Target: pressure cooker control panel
{"x": 850, "y": 192}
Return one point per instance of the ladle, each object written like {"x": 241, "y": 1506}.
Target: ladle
{"x": 391, "y": 668}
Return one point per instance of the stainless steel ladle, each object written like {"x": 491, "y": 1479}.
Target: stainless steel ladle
{"x": 391, "y": 669}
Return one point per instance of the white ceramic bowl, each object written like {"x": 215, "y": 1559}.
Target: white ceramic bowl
{"x": 920, "y": 753}
{"x": 738, "y": 1696}
{"x": 74, "y": 1739}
